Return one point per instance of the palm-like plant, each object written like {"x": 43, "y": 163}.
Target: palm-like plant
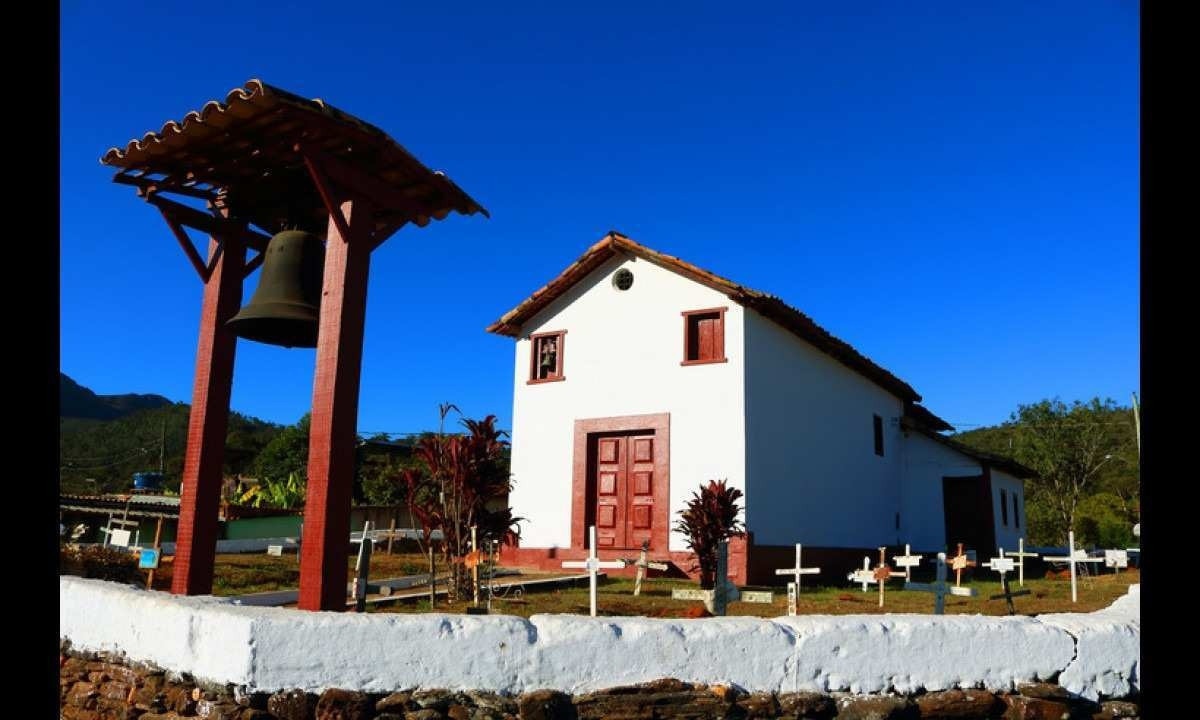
{"x": 284, "y": 494}
{"x": 710, "y": 517}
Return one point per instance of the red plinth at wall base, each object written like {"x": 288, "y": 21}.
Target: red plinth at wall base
{"x": 333, "y": 430}
{"x": 200, "y": 492}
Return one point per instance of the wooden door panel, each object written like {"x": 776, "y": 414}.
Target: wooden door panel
{"x": 643, "y": 483}
{"x": 639, "y": 502}
{"x": 610, "y": 491}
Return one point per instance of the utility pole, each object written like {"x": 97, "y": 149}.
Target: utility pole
{"x": 1137, "y": 423}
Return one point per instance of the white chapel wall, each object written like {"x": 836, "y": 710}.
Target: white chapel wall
{"x": 1008, "y": 533}
{"x": 622, "y": 355}
{"x": 924, "y": 463}
{"x": 813, "y": 474}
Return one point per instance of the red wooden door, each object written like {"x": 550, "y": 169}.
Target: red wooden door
{"x": 624, "y": 490}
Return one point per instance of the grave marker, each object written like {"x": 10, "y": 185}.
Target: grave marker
{"x": 1116, "y": 559}
{"x": 148, "y": 559}
{"x": 1005, "y": 565}
{"x": 794, "y": 586}
{"x": 940, "y": 588}
{"x": 276, "y": 550}
{"x": 120, "y": 538}
{"x": 592, "y": 565}
{"x": 1020, "y": 554}
{"x": 717, "y": 599}
{"x": 643, "y": 565}
{"x": 361, "y": 569}
{"x": 958, "y": 563}
{"x": 1073, "y": 557}
{"x": 883, "y": 573}
{"x": 908, "y": 561}
{"x": 864, "y": 576}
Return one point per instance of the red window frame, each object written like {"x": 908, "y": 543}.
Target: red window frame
{"x": 692, "y": 336}
{"x": 560, "y": 337}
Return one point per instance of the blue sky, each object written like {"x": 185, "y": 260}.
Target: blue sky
{"x": 952, "y": 188}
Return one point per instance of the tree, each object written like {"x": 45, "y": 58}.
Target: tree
{"x": 710, "y": 517}
{"x": 286, "y": 453}
{"x": 1077, "y": 451}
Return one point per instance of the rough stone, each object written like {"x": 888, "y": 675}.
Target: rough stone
{"x": 397, "y": 702}
{"x": 492, "y": 701}
{"x": 806, "y": 705}
{"x": 458, "y": 712}
{"x": 759, "y": 705}
{"x": 959, "y": 704}
{"x": 1120, "y": 709}
{"x": 545, "y": 705}
{"x": 82, "y": 695}
{"x": 1043, "y": 691}
{"x": 423, "y": 714}
{"x": 1021, "y": 707}
{"x": 218, "y": 710}
{"x": 252, "y": 713}
{"x": 389, "y": 716}
{"x": 433, "y": 699}
{"x": 292, "y": 705}
{"x": 115, "y": 690}
{"x": 875, "y": 707}
{"x": 344, "y": 705}
{"x": 179, "y": 699}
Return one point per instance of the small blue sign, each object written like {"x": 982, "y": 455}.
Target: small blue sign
{"x": 148, "y": 560}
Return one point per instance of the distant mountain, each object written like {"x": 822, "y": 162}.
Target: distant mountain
{"x": 76, "y": 401}
{"x": 104, "y": 439}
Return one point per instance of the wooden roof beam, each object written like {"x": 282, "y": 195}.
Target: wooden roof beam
{"x": 211, "y": 224}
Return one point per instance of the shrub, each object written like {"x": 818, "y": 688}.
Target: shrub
{"x": 710, "y": 517}
{"x": 100, "y": 562}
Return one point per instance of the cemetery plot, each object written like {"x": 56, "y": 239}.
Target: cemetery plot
{"x": 257, "y": 572}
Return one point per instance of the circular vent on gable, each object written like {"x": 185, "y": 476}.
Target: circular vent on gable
{"x": 623, "y": 279}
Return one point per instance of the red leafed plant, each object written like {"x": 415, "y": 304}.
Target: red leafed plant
{"x": 462, "y": 481}
{"x": 710, "y": 517}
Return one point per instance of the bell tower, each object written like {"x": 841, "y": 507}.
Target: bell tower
{"x": 276, "y": 174}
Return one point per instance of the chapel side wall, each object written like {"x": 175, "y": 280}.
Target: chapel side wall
{"x": 622, "y": 355}
{"x": 922, "y": 511}
{"x": 812, "y": 473}
{"x": 1008, "y": 533}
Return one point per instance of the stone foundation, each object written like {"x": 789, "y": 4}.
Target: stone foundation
{"x": 103, "y": 686}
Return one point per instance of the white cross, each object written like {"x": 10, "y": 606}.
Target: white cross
{"x": 592, "y": 564}
{"x": 1001, "y": 564}
{"x": 864, "y": 576}
{"x": 908, "y": 561}
{"x": 1116, "y": 559}
{"x": 643, "y": 564}
{"x": 1020, "y": 554}
{"x": 797, "y": 571}
{"x": 1073, "y": 556}
{"x": 940, "y": 588}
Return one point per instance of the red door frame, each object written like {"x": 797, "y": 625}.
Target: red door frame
{"x": 660, "y": 425}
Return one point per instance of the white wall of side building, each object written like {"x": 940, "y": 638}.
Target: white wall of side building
{"x": 1008, "y": 533}
{"x": 924, "y": 463}
{"x": 621, "y": 356}
{"x": 812, "y": 473}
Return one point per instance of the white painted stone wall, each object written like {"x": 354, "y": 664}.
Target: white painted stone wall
{"x": 269, "y": 649}
{"x": 1008, "y": 534}
{"x": 622, "y": 355}
{"x": 812, "y": 473}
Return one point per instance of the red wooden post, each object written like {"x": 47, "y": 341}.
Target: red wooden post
{"x": 200, "y": 492}
{"x": 334, "y": 425}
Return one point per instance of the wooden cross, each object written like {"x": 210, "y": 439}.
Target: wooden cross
{"x": 1005, "y": 565}
{"x": 908, "y": 561}
{"x": 940, "y": 588}
{"x": 883, "y": 573}
{"x": 864, "y": 576}
{"x": 958, "y": 563}
{"x": 362, "y": 569}
{"x": 1020, "y": 554}
{"x": 1073, "y": 557}
{"x": 794, "y": 587}
{"x": 593, "y": 564}
{"x": 643, "y": 564}
{"x": 1116, "y": 559}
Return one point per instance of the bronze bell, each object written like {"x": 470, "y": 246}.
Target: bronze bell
{"x": 287, "y": 302}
